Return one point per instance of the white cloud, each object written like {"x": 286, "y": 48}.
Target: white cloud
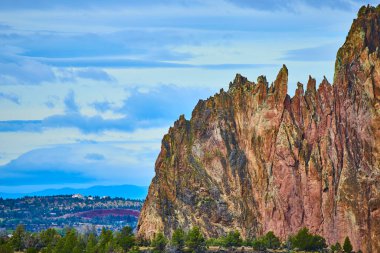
{"x": 60, "y": 163}
{"x": 14, "y": 144}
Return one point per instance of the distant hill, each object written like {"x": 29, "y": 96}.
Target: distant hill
{"x": 124, "y": 191}
{"x": 37, "y": 213}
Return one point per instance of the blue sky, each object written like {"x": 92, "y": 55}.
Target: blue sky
{"x": 88, "y": 88}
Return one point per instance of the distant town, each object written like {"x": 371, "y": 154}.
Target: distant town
{"x": 83, "y": 213}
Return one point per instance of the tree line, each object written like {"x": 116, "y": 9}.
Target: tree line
{"x": 70, "y": 241}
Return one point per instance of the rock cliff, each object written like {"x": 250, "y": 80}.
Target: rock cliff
{"x": 254, "y": 159}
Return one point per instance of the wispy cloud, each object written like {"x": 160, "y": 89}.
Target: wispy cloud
{"x": 94, "y": 157}
{"x": 270, "y": 5}
{"x": 67, "y": 4}
{"x": 51, "y": 102}
{"x": 21, "y": 125}
{"x": 94, "y": 74}
{"x": 16, "y": 70}
{"x": 23, "y": 71}
{"x": 81, "y": 163}
{"x": 163, "y": 103}
{"x": 10, "y": 97}
{"x": 130, "y": 63}
{"x": 102, "y": 106}
{"x": 320, "y": 53}
{"x": 4, "y": 27}
{"x": 153, "y": 107}
{"x": 258, "y": 4}
{"x": 70, "y": 104}
{"x": 72, "y": 74}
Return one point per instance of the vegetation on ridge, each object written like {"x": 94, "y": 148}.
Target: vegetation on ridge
{"x": 70, "y": 241}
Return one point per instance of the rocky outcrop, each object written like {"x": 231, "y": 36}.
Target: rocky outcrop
{"x": 254, "y": 159}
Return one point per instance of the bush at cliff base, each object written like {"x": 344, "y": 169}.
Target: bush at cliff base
{"x": 304, "y": 240}
{"x": 159, "y": 242}
{"x": 178, "y": 239}
{"x": 195, "y": 241}
{"x": 347, "y": 247}
{"x": 268, "y": 241}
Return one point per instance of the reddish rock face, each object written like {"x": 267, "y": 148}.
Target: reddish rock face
{"x": 255, "y": 160}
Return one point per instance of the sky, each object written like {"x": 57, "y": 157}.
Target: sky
{"x": 88, "y": 88}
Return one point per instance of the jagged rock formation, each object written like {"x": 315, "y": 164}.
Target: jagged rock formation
{"x": 254, "y": 159}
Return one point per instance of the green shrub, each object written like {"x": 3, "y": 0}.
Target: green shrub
{"x": 214, "y": 242}
{"x": 268, "y": 241}
{"x": 134, "y": 249}
{"x": 304, "y": 240}
{"x": 232, "y": 239}
{"x": 247, "y": 242}
{"x": 6, "y": 248}
{"x": 31, "y": 250}
{"x": 140, "y": 241}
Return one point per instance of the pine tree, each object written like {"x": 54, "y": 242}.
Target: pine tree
{"x": 71, "y": 241}
{"x": 271, "y": 240}
{"x": 91, "y": 243}
{"x": 49, "y": 237}
{"x": 105, "y": 240}
{"x": 336, "y": 248}
{"x": 159, "y": 242}
{"x": 18, "y": 237}
{"x": 195, "y": 241}
{"x": 80, "y": 246}
{"x": 232, "y": 239}
{"x": 347, "y": 247}
{"x": 126, "y": 239}
{"x": 178, "y": 239}
{"x": 268, "y": 241}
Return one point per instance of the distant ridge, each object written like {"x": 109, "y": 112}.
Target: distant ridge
{"x": 123, "y": 191}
